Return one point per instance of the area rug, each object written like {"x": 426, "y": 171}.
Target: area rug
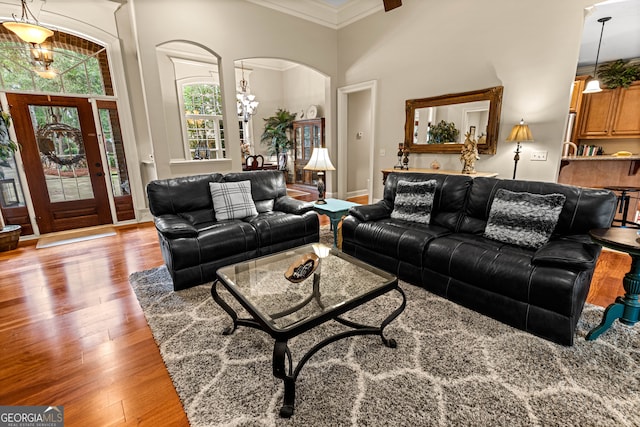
{"x": 452, "y": 366}
{"x": 74, "y": 236}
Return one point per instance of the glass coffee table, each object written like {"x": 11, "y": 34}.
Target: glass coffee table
{"x": 284, "y": 309}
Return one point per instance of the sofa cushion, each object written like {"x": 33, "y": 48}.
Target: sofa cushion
{"x": 264, "y": 205}
{"x": 414, "y": 201}
{"x": 523, "y": 219}
{"x": 232, "y": 200}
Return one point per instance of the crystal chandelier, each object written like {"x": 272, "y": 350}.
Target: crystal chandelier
{"x": 247, "y": 103}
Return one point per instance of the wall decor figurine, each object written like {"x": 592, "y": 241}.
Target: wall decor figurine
{"x": 469, "y": 155}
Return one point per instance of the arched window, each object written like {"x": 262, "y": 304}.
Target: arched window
{"x": 79, "y": 66}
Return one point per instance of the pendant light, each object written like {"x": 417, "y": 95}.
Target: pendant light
{"x": 32, "y": 33}
{"x": 594, "y": 85}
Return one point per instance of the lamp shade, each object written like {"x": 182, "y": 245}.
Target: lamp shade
{"x": 30, "y": 33}
{"x": 320, "y": 160}
{"x": 593, "y": 86}
{"x": 520, "y": 133}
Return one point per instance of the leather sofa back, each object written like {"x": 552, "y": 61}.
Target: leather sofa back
{"x": 449, "y": 198}
{"x": 584, "y": 208}
{"x": 184, "y": 194}
{"x": 265, "y": 185}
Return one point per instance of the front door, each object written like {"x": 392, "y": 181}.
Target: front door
{"x": 61, "y": 156}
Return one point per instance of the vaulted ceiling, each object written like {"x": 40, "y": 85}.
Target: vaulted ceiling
{"x": 621, "y": 39}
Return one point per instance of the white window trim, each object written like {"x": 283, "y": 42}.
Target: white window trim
{"x": 181, "y": 83}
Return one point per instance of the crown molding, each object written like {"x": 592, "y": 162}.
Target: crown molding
{"x": 324, "y": 13}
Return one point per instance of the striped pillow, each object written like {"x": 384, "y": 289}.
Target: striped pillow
{"x": 523, "y": 219}
{"x": 414, "y": 201}
{"x": 232, "y": 200}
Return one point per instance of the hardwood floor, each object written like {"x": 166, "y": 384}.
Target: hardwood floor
{"x": 72, "y": 332}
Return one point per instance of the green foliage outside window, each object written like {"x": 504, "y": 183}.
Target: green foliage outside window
{"x": 78, "y": 73}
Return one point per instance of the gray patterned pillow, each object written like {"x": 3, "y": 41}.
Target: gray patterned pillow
{"x": 232, "y": 200}
{"x": 523, "y": 219}
{"x": 414, "y": 200}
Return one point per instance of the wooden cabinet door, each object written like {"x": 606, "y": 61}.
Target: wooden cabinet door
{"x": 626, "y": 118}
{"x": 596, "y": 113}
{"x": 576, "y": 93}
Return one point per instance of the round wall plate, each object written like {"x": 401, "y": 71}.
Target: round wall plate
{"x": 312, "y": 112}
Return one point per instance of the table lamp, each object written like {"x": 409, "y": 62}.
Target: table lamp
{"x": 320, "y": 162}
{"x": 519, "y": 133}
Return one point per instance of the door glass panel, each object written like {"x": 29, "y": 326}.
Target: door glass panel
{"x": 115, "y": 152}
{"x": 62, "y": 152}
{"x": 11, "y": 194}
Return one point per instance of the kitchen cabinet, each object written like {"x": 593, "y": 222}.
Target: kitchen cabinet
{"x": 576, "y": 93}
{"x": 307, "y": 134}
{"x": 611, "y": 114}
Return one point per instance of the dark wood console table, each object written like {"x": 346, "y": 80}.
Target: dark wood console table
{"x": 386, "y": 172}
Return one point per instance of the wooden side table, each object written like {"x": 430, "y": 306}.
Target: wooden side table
{"x": 627, "y": 308}
{"x": 335, "y": 209}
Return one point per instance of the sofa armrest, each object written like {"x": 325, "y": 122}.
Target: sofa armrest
{"x": 173, "y": 226}
{"x": 290, "y": 205}
{"x": 371, "y": 212}
{"x": 570, "y": 252}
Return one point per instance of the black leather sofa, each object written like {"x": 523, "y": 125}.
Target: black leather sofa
{"x": 194, "y": 244}
{"x": 540, "y": 291}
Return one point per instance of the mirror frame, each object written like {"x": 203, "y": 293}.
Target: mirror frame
{"x": 492, "y": 94}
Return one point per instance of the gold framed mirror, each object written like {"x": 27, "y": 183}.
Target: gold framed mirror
{"x": 439, "y": 124}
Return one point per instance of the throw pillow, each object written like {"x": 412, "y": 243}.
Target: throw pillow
{"x": 523, "y": 219}
{"x": 414, "y": 200}
{"x": 232, "y": 200}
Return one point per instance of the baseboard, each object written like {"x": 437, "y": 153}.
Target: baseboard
{"x": 357, "y": 193}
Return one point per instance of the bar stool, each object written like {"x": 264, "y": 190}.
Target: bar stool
{"x": 623, "y": 204}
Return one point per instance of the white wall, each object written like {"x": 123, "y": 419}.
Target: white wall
{"x": 427, "y": 48}
{"x": 359, "y": 117}
{"x": 234, "y": 30}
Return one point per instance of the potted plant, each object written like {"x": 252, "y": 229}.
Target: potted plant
{"x": 619, "y": 73}
{"x": 9, "y": 234}
{"x": 443, "y": 132}
{"x": 276, "y": 135}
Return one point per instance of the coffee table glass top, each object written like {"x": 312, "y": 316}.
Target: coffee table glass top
{"x": 341, "y": 282}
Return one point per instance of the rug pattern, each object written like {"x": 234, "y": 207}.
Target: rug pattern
{"x": 452, "y": 367}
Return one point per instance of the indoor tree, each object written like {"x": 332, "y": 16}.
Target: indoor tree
{"x": 276, "y": 134}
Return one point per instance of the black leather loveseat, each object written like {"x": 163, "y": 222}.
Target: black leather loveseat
{"x": 540, "y": 290}
{"x": 195, "y": 243}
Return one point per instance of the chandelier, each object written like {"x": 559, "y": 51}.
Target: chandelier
{"x": 32, "y": 33}
{"x": 40, "y": 49}
{"x": 247, "y": 103}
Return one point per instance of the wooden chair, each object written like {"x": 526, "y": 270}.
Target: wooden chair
{"x": 254, "y": 162}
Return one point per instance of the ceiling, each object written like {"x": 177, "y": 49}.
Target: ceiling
{"x": 621, "y": 38}
{"x": 621, "y": 35}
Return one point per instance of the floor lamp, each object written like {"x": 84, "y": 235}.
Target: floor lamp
{"x": 320, "y": 162}
{"x": 519, "y": 133}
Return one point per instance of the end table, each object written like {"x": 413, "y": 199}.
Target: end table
{"x": 335, "y": 209}
{"x": 627, "y": 308}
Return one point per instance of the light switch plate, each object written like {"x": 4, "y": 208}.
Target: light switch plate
{"x": 538, "y": 156}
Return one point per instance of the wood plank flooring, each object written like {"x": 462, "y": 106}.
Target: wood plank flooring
{"x": 72, "y": 332}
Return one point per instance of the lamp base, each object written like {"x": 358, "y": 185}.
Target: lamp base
{"x": 321, "y": 189}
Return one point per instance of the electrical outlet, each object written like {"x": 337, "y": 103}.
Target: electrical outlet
{"x": 538, "y": 156}
{"x": 383, "y": 152}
